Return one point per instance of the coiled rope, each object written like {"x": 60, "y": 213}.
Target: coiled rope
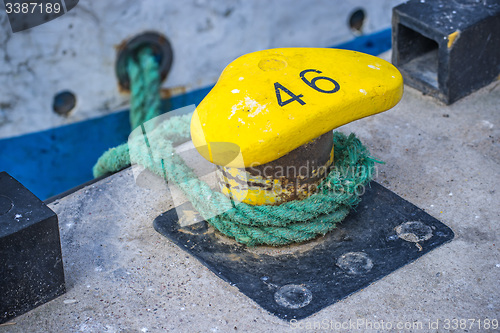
{"x": 294, "y": 221}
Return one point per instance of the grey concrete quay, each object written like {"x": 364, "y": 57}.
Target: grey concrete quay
{"x": 122, "y": 276}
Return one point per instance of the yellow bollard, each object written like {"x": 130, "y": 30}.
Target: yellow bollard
{"x": 274, "y": 105}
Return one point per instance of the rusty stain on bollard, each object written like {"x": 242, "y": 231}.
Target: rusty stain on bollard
{"x": 294, "y": 176}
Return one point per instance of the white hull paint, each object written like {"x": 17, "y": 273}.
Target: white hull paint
{"x": 77, "y": 51}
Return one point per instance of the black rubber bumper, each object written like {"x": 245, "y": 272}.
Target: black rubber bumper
{"x": 447, "y": 48}
{"x": 31, "y": 266}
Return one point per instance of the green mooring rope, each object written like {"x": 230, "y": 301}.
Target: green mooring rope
{"x": 145, "y": 102}
{"x": 294, "y": 221}
{"x": 144, "y": 75}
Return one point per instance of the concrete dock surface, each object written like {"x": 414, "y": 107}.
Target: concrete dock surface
{"x": 123, "y": 276}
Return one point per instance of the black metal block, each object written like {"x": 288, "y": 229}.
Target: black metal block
{"x": 447, "y": 48}
{"x": 31, "y": 267}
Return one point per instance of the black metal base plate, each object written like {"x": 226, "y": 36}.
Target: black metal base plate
{"x": 385, "y": 233}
